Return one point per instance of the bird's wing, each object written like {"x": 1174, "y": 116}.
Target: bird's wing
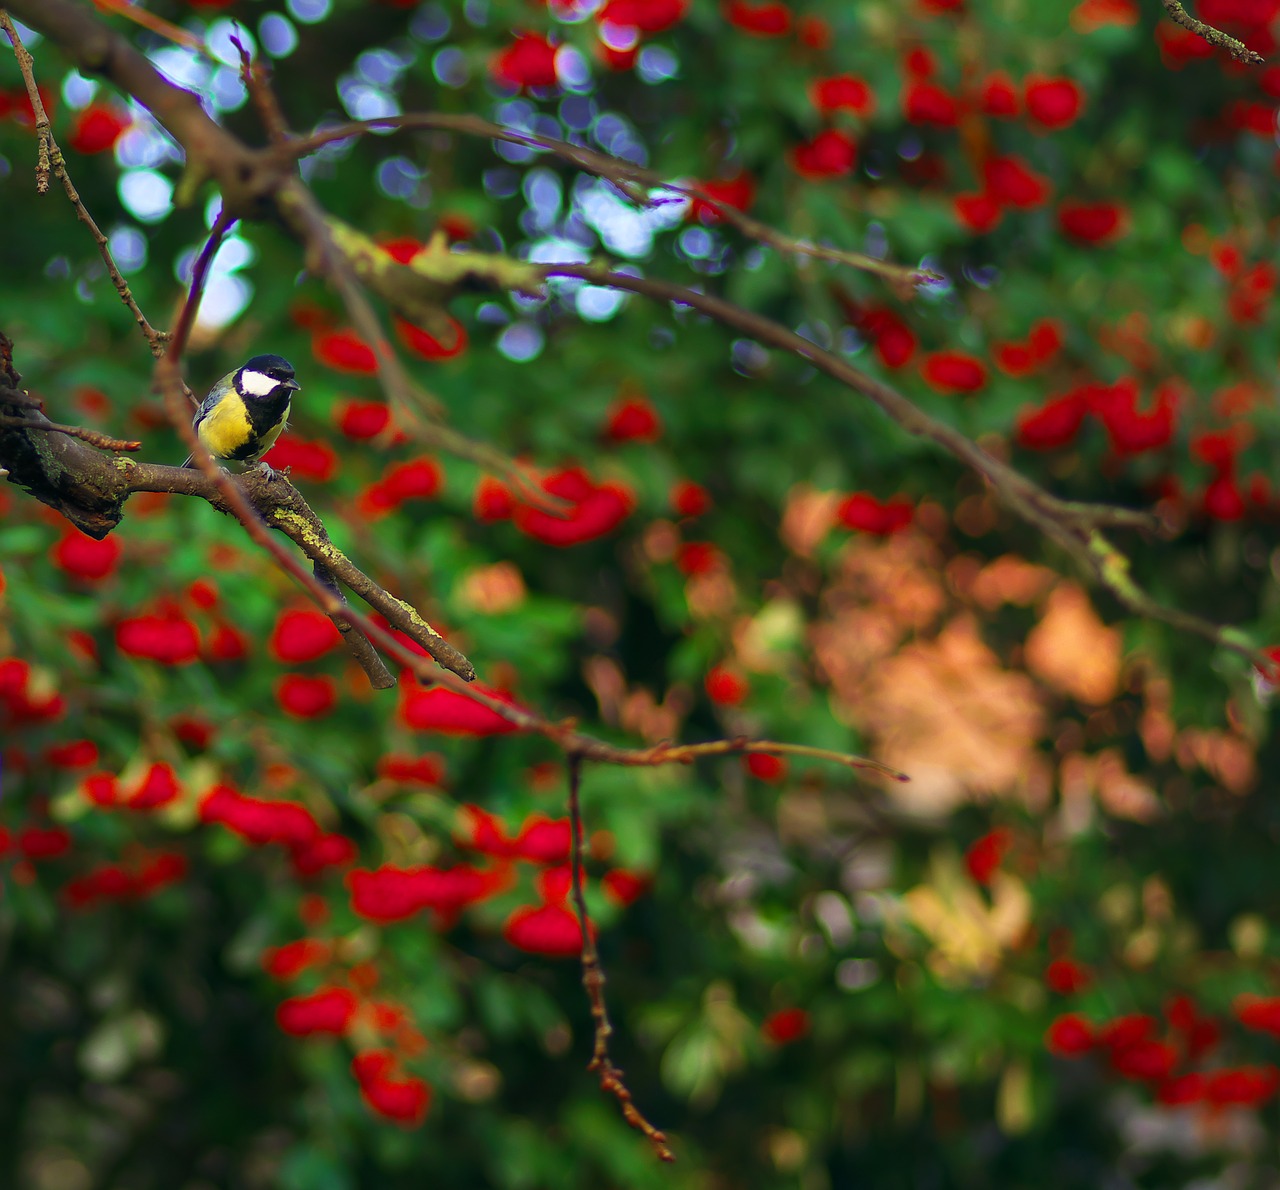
{"x": 216, "y": 393}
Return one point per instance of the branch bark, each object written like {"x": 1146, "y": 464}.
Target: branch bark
{"x": 90, "y": 488}
{"x": 1215, "y": 37}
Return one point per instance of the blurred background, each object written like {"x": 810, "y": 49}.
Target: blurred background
{"x": 263, "y": 926}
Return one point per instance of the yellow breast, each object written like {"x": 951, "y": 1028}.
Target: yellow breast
{"x": 225, "y": 428}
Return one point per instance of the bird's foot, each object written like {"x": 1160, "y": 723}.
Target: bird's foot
{"x": 269, "y": 471}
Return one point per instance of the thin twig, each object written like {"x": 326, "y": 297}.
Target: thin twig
{"x": 611, "y": 1080}
{"x": 1215, "y": 37}
{"x": 49, "y": 151}
{"x": 358, "y": 645}
{"x": 633, "y": 181}
{"x": 26, "y": 65}
{"x": 1072, "y": 526}
{"x": 688, "y": 753}
{"x": 417, "y": 412}
{"x": 222, "y": 223}
{"x": 401, "y": 390}
{"x": 93, "y": 437}
{"x": 158, "y": 25}
{"x": 257, "y": 82}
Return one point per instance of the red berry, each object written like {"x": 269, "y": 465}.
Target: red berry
{"x": 97, "y": 128}
{"x": 785, "y": 1026}
{"x": 726, "y": 686}
{"x": 306, "y": 697}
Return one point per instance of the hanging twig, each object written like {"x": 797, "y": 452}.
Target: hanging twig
{"x": 47, "y": 152}
{"x": 611, "y": 1080}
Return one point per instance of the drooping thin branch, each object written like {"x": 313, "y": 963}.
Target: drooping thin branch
{"x": 634, "y": 181}
{"x": 93, "y": 437}
{"x": 1075, "y": 527}
{"x": 1215, "y": 37}
{"x": 50, "y": 152}
{"x": 593, "y": 979}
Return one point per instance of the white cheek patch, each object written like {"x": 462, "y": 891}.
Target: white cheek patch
{"x": 255, "y": 384}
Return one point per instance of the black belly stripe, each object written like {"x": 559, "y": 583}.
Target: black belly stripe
{"x": 265, "y": 413}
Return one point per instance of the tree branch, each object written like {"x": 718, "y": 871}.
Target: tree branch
{"x": 593, "y": 980}
{"x": 49, "y": 151}
{"x": 93, "y": 437}
{"x": 257, "y": 182}
{"x": 631, "y": 180}
{"x": 90, "y": 488}
{"x": 245, "y": 176}
{"x": 416, "y": 410}
{"x": 1075, "y": 527}
{"x": 1215, "y": 37}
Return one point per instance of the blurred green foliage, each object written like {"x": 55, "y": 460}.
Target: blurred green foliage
{"x": 138, "y": 1043}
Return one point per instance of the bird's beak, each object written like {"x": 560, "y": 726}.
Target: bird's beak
{"x": 293, "y": 384}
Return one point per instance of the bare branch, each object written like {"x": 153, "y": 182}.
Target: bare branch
{"x": 245, "y": 176}
{"x": 90, "y": 489}
{"x": 418, "y": 411}
{"x": 326, "y": 258}
{"x": 48, "y": 151}
{"x": 593, "y": 980}
{"x": 1215, "y": 37}
{"x": 258, "y": 83}
{"x": 93, "y": 437}
{"x": 26, "y": 65}
{"x": 222, "y": 223}
{"x": 1073, "y": 526}
{"x": 320, "y": 583}
{"x": 633, "y": 181}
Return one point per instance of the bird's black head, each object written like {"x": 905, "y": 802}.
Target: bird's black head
{"x": 264, "y": 374}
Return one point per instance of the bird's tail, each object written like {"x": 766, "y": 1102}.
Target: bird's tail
{"x": 187, "y": 463}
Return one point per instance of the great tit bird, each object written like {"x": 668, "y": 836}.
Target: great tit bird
{"x": 245, "y": 412}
